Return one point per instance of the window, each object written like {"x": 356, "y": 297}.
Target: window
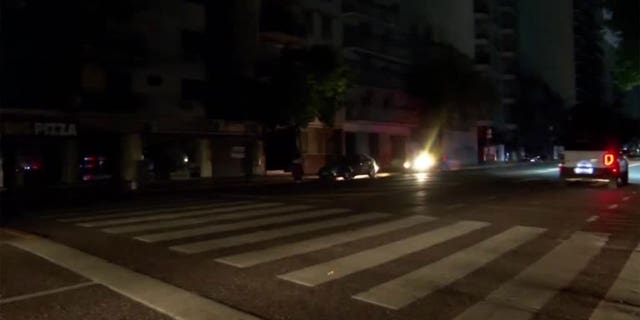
{"x": 374, "y": 145}
{"x": 154, "y": 80}
{"x": 327, "y": 27}
{"x": 192, "y": 44}
{"x": 386, "y": 103}
{"x": 193, "y": 89}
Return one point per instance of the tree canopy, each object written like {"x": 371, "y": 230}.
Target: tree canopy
{"x": 625, "y": 21}
{"x": 308, "y": 83}
{"x": 452, "y": 90}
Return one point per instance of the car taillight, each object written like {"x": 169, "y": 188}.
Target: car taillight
{"x": 609, "y": 159}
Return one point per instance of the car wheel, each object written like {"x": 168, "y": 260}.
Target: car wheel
{"x": 372, "y": 173}
{"x": 347, "y": 175}
{"x": 615, "y": 183}
{"x": 625, "y": 178}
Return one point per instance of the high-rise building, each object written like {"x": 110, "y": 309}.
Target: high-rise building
{"x": 497, "y": 51}
{"x": 591, "y": 84}
{"x": 123, "y": 98}
{"x": 373, "y": 38}
{"x": 547, "y": 46}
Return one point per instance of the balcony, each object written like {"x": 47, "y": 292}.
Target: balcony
{"x": 507, "y": 5}
{"x": 396, "y": 114}
{"x": 483, "y": 58}
{"x": 481, "y": 9}
{"x": 384, "y": 44}
{"x": 372, "y": 9}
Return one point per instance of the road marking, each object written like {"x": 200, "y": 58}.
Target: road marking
{"x": 402, "y": 291}
{"x": 135, "y": 206}
{"x": 163, "y": 297}
{"x": 455, "y": 206}
{"x": 530, "y": 290}
{"x": 634, "y": 165}
{"x": 593, "y": 219}
{"x": 624, "y": 294}
{"x": 338, "y": 268}
{"x": 626, "y": 198}
{"x": 530, "y": 179}
{"x": 233, "y": 241}
{"x": 186, "y": 233}
{"x": 46, "y": 292}
{"x": 253, "y": 258}
{"x": 613, "y": 207}
{"x": 104, "y": 223}
{"x": 205, "y": 219}
{"x": 134, "y": 213}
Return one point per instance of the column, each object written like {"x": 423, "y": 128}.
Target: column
{"x": 259, "y": 164}
{"x": 203, "y": 157}
{"x": 70, "y": 163}
{"x": 131, "y": 155}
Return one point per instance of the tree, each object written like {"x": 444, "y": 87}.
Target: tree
{"x": 624, "y": 22}
{"x": 453, "y": 92}
{"x": 308, "y": 83}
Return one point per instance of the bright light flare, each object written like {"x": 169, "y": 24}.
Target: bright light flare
{"x": 423, "y": 162}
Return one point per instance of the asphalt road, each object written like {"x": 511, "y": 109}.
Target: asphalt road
{"x": 503, "y": 243}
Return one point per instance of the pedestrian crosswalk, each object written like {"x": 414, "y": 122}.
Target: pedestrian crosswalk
{"x": 403, "y": 290}
{"x": 289, "y": 231}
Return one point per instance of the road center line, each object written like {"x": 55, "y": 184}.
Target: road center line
{"x": 613, "y": 206}
{"x": 593, "y": 219}
{"x": 161, "y": 296}
{"x": 46, "y": 292}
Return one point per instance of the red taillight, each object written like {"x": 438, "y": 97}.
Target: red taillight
{"x": 609, "y": 159}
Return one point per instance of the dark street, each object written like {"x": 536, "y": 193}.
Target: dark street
{"x": 490, "y": 243}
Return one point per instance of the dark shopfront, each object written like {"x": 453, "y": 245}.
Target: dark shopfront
{"x": 43, "y": 152}
{"x": 38, "y": 152}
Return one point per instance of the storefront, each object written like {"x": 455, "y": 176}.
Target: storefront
{"x": 38, "y": 152}
{"x": 42, "y": 150}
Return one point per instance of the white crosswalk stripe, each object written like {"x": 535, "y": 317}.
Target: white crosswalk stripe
{"x": 133, "y": 213}
{"x": 205, "y": 219}
{"x": 518, "y": 298}
{"x": 182, "y": 214}
{"x": 212, "y": 229}
{"x": 402, "y": 291}
{"x": 623, "y": 299}
{"x": 332, "y": 270}
{"x": 521, "y": 297}
{"x": 253, "y": 258}
{"x": 214, "y": 244}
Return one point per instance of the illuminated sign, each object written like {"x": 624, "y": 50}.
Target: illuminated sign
{"x": 55, "y": 129}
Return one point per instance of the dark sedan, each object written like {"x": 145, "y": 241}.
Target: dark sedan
{"x": 349, "y": 167}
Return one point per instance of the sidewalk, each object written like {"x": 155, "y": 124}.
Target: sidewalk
{"x": 44, "y": 279}
{"x": 503, "y": 165}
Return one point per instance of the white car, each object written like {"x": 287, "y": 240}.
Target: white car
{"x": 595, "y": 165}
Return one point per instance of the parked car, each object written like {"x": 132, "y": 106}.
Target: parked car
{"x": 349, "y": 167}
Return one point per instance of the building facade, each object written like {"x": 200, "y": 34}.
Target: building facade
{"x": 130, "y": 99}
{"x": 547, "y": 45}
{"x": 378, "y": 116}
